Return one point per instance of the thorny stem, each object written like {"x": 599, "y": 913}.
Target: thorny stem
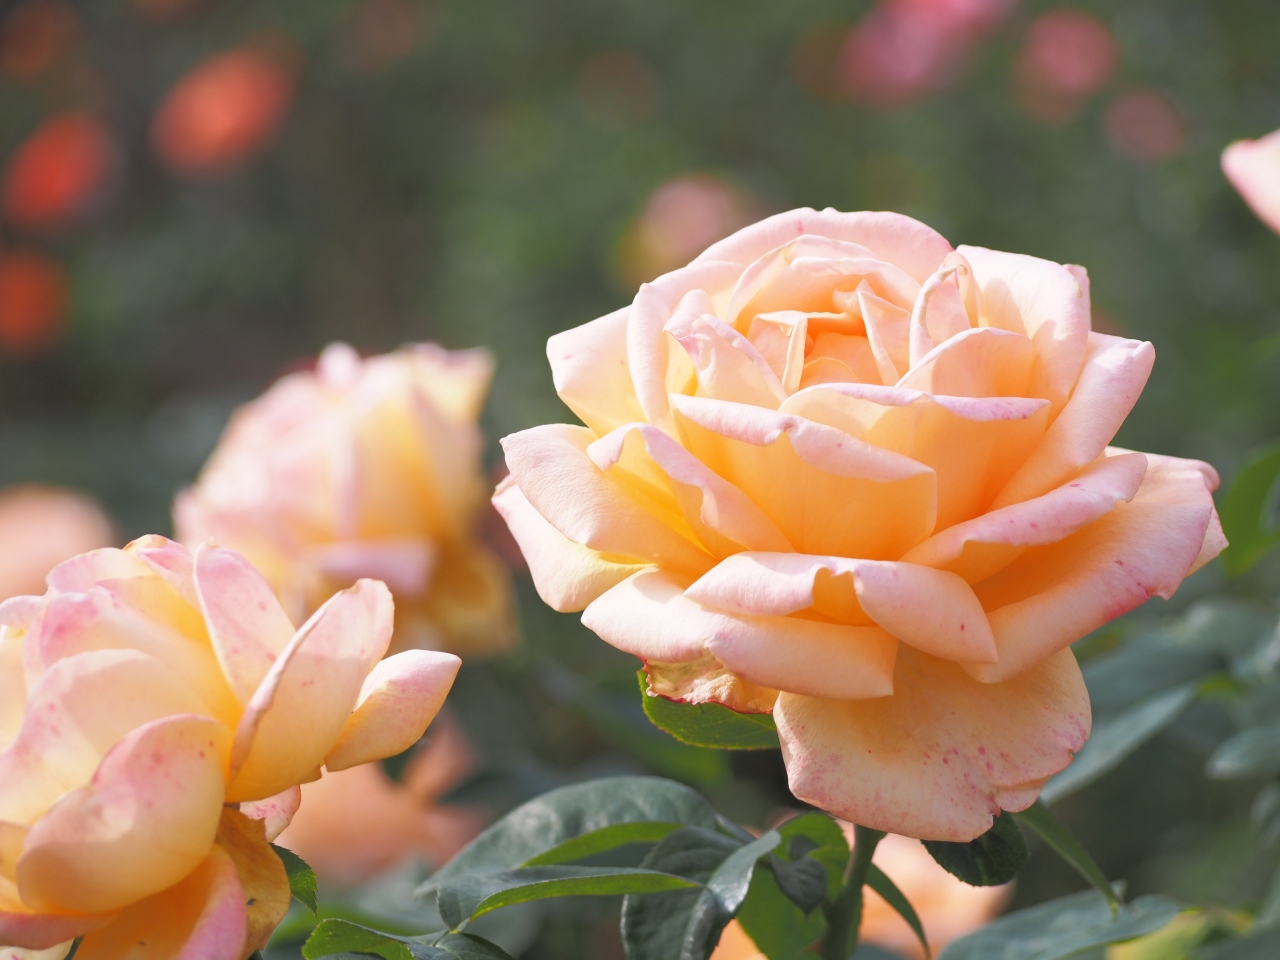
{"x": 844, "y": 915}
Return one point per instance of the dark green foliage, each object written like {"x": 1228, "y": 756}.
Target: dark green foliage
{"x": 709, "y": 724}
{"x": 990, "y": 860}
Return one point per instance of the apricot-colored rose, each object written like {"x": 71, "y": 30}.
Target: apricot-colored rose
{"x": 1253, "y": 167}
{"x": 157, "y": 714}
{"x": 836, "y": 470}
{"x": 39, "y": 528}
{"x": 364, "y": 468}
{"x": 357, "y": 824}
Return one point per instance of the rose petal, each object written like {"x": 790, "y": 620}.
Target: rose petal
{"x": 943, "y": 755}
{"x": 591, "y": 508}
{"x": 470, "y": 601}
{"x": 980, "y": 362}
{"x": 261, "y": 873}
{"x": 247, "y": 626}
{"x": 80, "y": 573}
{"x": 828, "y": 492}
{"x": 649, "y": 616}
{"x": 1186, "y": 480}
{"x": 143, "y": 823}
{"x": 13, "y": 687}
{"x": 932, "y": 610}
{"x": 170, "y": 561}
{"x": 567, "y": 575}
{"x": 1253, "y": 167}
{"x": 295, "y": 716}
{"x": 888, "y": 330}
{"x": 56, "y": 952}
{"x": 274, "y": 812}
{"x": 41, "y": 931}
{"x": 589, "y": 370}
{"x": 398, "y": 701}
{"x": 728, "y": 365}
{"x": 200, "y": 918}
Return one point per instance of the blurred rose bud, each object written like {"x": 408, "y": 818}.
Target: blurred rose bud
{"x": 36, "y": 35}
{"x": 158, "y": 711}
{"x": 1145, "y": 126}
{"x": 355, "y": 825}
{"x": 221, "y": 112}
{"x": 365, "y": 468}
{"x": 56, "y": 171}
{"x": 681, "y": 218}
{"x": 40, "y": 527}
{"x": 1068, "y": 56}
{"x": 34, "y": 294}
{"x": 948, "y": 908}
{"x": 1253, "y": 167}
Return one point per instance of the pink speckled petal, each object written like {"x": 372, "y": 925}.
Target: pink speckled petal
{"x": 931, "y": 610}
{"x": 1253, "y": 167}
{"x": 297, "y": 713}
{"x": 170, "y": 561}
{"x": 589, "y": 370}
{"x": 145, "y": 821}
{"x": 567, "y": 575}
{"x": 274, "y": 812}
{"x": 248, "y": 627}
{"x": 13, "y": 687}
{"x": 80, "y": 573}
{"x": 649, "y": 616}
{"x": 399, "y": 699}
{"x": 943, "y": 755}
{"x": 1115, "y": 371}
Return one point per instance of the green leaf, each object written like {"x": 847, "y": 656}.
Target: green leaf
{"x": 467, "y": 946}
{"x": 546, "y": 822}
{"x": 780, "y": 929}
{"x": 803, "y": 880}
{"x": 1255, "y": 945}
{"x": 1253, "y": 752}
{"x": 879, "y": 881}
{"x": 1117, "y": 737}
{"x": 341, "y": 936}
{"x": 817, "y": 837}
{"x": 709, "y": 724}
{"x": 1250, "y": 532}
{"x": 462, "y": 899}
{"x": 1040, "y": 819}
{"x": 602, "y": 840}
{"x": 1062, "y": 928}
{"x": 989, "y": 861}
{"x": 302, "y": 879}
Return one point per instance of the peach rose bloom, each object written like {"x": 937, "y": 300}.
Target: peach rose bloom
{"x": 158, "y": 711}
{"x": 39, "y": 528}
{"x": 838, "y": 471}
{"x": 948, "y": 908}
{"x": 1253, "y": 167}
{"x": 364, "y": 468}
{"x": 357, "y": 824}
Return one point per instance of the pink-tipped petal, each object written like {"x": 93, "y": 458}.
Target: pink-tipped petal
{"x": 274, "y": 812}
{"x": 567, "y": 575}
{"x": 170, "y": 561}
{"x": 980, "y": 362}
{"x": 43, "y": 931}
{"x": 248, "y": 627}
{"x": 80, "y": 573}
{"x": 399, "y": 699}
{"x": 297, "y": 713}
{"x": 589, "y": 370}
{"x": 942, "y": 756}
{"x": 1253, "y": 167}
{"x": 13, "y": 687}
{"x": 728, "y": 365}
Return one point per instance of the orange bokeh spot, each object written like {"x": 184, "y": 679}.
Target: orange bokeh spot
{"x": 56, "y": 171}
{"x": 1144, "y": 125}
{"x": 221, "y": 112}
{"x": 33, "y": 300}
{"x": 36, "y": 35}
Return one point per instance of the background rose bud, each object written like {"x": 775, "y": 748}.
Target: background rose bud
{"x": 39, "y": 528}
{"x": 1253, "y": 167}
{"x": 838, "y": 471}
{"x": 364, "y": 468}
{"x": 157, "y": 714}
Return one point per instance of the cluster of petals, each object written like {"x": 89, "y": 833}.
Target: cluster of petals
{"x": 364, "y": 468}
{"x": 158, "y": 711}
{"x": 838, "y": 471}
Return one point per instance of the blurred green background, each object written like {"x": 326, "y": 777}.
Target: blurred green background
{"x": 489, "y": 173}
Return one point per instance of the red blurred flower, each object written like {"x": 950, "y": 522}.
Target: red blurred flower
{"x": 1069, "y": 55}
{"x": 1144, "y": 125}
{"x": 56, "y": 171}
{"x": 33, "y": 299}
{"x": 36, "y": 35}
{"x": 904, "y": 49}
{"x": 225, "y": 109}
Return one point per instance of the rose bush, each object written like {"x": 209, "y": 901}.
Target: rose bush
{"x": 364, "y": 468}
{"x": 158, "y": 711}
{"x": 838, "y": 471}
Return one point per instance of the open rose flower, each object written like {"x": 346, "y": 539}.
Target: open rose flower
{"x": 838, "y": 471}
{"x": 364, "y": 468}
{"x": 157, "y": 714}
{"x": 1253, "y": 167}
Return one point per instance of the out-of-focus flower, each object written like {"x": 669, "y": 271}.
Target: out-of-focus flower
{"x": 56, "y": 172}
{"x": 365, "y": 468}
{"x": 34, "y": 293}
{"x": 379, "y": 34}
{"x": 1145, "y": 126}
{"x": 158, "y": 711}
{"x": 37, "y": 35}
{"x": 948, "y": 908}
{"x": 905, "y": 49}
{"x": 1253, "y": 167}
{"x": 223, "y": 111}
{"x": 1069, "y": 55}
{"x": 838, "y": 471}
{"x": 40, "y": 527}
{"x": 618, "y": 88}
{"x": 681, "y": 218}
{"x": 359, "y": 823}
